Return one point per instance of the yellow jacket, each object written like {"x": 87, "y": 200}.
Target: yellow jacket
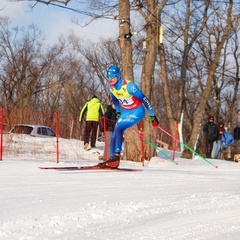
{"x": 93, "y": 110}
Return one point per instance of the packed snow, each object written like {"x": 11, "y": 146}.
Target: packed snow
{"x": 190, "y": 201}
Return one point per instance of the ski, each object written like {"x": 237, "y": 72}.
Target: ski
{"x": 76, "y": 168}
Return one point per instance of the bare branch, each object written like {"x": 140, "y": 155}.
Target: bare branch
{"x": 64, "y": 2}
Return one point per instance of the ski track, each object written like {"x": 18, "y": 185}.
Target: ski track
{"x": 166, "y": 203}
{"x": 158, "y": 221}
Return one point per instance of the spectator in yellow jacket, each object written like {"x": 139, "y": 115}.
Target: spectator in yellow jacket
{"x": 93, "y": 110}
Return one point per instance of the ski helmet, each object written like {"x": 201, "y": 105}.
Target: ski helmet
{"x": 113, "y": 71}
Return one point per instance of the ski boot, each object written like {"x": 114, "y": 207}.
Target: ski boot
{"x": 113, "y": 162}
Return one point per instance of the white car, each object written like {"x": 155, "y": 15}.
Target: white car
{"x": 33, "y": 130}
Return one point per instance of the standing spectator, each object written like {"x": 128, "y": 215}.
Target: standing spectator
{"x": 210, "y": 130}
{"x": 217, "y": 145}
{"x": 109, "y": 119}
{"x": 93, "y": 110}
{"x": 236, "y": 133}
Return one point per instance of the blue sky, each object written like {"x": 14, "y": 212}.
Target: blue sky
{"x": 54, "y": 21}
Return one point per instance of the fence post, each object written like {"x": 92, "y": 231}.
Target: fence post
{"x": 142, "y": 142}
{"x": 106, "y": 149}
{"x": 57, "y": 142}
{"x": 1, "y": 133}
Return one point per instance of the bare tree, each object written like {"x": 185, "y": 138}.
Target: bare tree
{"x": 212, "y": 65}
{"x": 20, "y": 59}
{"x": 64, "y": 2}
{"x": 231, "y": 98}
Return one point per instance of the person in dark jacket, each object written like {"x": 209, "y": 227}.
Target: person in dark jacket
{"x": 107, "y": 126}
{"x": 217, "y": 145}
{"x": 236, "y": 133}
{"x": 210, "y": 130}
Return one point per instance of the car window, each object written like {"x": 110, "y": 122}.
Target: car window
{"x": 45, "y": 131}
{"x": 50, "y": 132}
{"x": 41, "y": 131}
{"x": 22, "y": 129}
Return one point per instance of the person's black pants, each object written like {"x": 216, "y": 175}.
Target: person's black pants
{"x": 91, "y": 126}
{"x": 209, "y": 147}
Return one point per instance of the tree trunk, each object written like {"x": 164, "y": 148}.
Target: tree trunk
{"x": 166, "y": 91}
{"x": 131, "y": 139}
{"x": 124, "y": 39}
{"x": 148, "y": 69}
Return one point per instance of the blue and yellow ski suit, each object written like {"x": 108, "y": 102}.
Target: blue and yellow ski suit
{"x": 129, "y": 100}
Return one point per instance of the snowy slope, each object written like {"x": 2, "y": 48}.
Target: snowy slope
{"x": 189, "y": 201}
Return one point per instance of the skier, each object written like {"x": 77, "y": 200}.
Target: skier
{"x": 129, "y": 98}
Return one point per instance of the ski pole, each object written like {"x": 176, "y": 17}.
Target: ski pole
{"x": 156, "y": 147}
{"x": 186, "y": 146}
{"x": 159, "y": 150}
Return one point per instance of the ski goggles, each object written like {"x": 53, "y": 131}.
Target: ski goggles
{"x": 111, "y": 75}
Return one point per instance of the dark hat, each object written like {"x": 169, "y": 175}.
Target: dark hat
{"x": 210, "y": 117}
{"x": 221, "y": 123}
{"x": 94, "y": 96}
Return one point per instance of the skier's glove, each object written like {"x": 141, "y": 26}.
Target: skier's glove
{"x": 154, "y": 121}
{"x": 118, "y": 115}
